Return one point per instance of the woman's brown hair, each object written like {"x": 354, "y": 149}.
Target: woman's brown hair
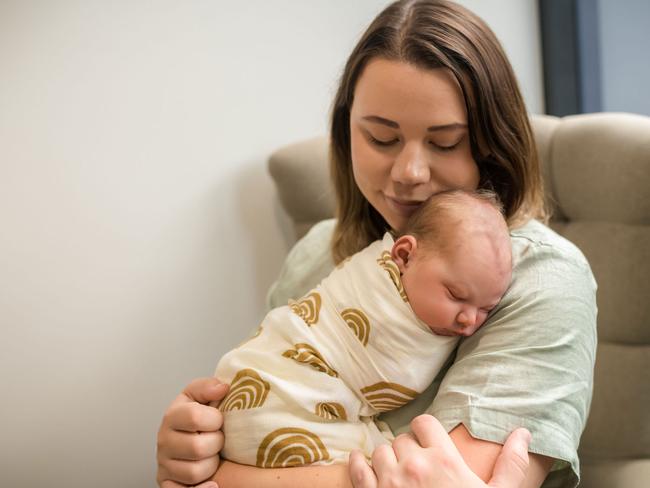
{"x": 433, "y": 34}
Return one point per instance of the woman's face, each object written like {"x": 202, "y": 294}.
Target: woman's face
{"x": 409, "y": 137}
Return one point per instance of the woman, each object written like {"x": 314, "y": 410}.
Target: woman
{"x": 428, "y": 102}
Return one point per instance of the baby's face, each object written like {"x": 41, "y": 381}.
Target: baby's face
{"x": 454, "y": 292}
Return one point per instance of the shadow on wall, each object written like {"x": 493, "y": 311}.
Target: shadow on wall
{"x": 264, "y": 222}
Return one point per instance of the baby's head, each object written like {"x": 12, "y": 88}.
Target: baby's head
{"x": 455, "y": 260}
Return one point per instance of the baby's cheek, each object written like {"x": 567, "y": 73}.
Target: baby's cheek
{"x": 427, "y": 313}
{"x": 480, "y": 320}
{"x": 445, "y": 315}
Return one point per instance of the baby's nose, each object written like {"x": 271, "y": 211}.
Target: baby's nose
{"x": 466, "y": 318}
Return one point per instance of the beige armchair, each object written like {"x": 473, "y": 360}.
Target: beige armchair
{"x": 597, "y": 173}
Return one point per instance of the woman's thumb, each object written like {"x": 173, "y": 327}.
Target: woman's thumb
{"x": 512, "y": 464}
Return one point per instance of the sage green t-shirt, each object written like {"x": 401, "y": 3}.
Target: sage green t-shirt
{"x": 530, "y": 365}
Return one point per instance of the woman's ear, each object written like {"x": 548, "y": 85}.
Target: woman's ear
{"x": 402, "y": 251}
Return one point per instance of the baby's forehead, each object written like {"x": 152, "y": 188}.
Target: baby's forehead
{"x": 470, "y": 221}
{"x": 482, "y": 243}
{"x": 463, "y": 229}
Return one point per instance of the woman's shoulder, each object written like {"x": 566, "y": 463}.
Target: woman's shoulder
{"x": 308, "y": 262}
{"x": 532, "y": 362}
{"x": 313, "y": 249}
{"x": 549, "y": 269}
{"x": 535, "y": 244}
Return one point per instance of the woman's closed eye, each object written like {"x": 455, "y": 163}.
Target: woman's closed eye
{"x": 382, "y": 142}
{"x": 444, "y": 148}
{"x": 446, "y": 145}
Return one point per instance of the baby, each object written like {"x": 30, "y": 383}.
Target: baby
{"x": 368, "y": 339}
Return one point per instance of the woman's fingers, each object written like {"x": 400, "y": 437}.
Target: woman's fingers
{"x": 405, "y": 446}
{"x": 361, "y": 474}
{"x": 429, "y": 458}
{"x": 383, "y": 460}
{"x": 188, "y": 473}
{"x": 512, "y": 464}
{"x": 189, "y": 431}
{"x": 189, "y": 437}
{"x": 205, "y": 390}
{"x": 189, "y": 446}
{"x": 429, "y": 432}
{"x": 193, "y": 417}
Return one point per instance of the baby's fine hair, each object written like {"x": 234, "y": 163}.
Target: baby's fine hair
{"x": 439, "y": 218}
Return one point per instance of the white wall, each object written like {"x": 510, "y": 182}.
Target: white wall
{"x": 138, "y": 228}
{"x": 516, "y": 24}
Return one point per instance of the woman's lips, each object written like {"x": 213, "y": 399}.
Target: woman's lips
{"x": 403, "y": 207}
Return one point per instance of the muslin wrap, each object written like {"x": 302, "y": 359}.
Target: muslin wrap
{"x": 306, "y": 387}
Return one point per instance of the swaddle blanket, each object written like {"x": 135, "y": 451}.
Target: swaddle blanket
{"x": 305, "y": 389}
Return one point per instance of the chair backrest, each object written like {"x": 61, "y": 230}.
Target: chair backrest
{"x": 597, "y": 174}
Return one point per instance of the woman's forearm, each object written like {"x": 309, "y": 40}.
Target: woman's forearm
{"x": 232, "y": 475}
{"x": 481, "y": 457}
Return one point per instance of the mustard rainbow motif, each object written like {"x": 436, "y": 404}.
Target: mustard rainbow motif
{"x": 385, "y": 396}
{"x": 358, "y": 322}
{"x": 331, "y": 411}
{"x": 307, "y": 308}
{"x": 247, "y": 390}
{"x": 386, "y": 262}
{"x": 307, "y": 354}
{"x": 290, "y": 446}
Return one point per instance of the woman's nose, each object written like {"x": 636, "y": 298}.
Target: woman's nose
{"x": 410, "y": 166}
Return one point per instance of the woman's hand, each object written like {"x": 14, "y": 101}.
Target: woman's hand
{"x": 428, "y": 458}
{"x": 189, "y": 438}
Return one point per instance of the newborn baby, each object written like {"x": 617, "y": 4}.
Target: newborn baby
{"x": 368, "y": 339}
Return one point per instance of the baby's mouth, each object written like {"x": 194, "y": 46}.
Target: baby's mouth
{"x": 443, "y": 332}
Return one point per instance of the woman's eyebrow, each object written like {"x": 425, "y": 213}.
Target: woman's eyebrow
{"x": 452, "y": 126}
{"x": 380, "y": 120}
{"x": 394, "y": 125}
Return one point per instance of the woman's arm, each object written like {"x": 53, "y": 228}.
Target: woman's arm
{"x": 481, "y": 456}
{"x": 189, "y": 441}
{"x": 232, "y": 475}
{"x": 423, "y": 465}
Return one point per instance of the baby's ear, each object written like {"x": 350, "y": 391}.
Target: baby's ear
{"x": 402, "y": 251}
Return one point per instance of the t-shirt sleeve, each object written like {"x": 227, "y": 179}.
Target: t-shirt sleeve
{"x": 531, "y": 365}
{"x": 308, "y": 262}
